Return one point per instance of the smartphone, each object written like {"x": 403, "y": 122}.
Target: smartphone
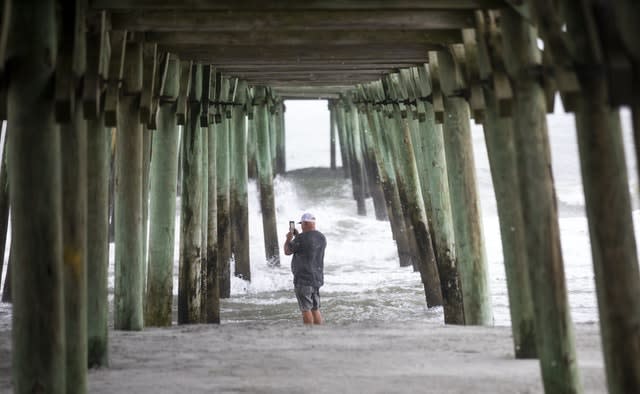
{"x": 292, "y": 226}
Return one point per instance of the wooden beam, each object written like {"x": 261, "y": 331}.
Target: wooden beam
{"x": 247, "y": 5}
{"x": 304, "y": 37}
{"x": 218, "y": 54}
{"x": 309, "y": 67}
{"x": 219, "y": 21}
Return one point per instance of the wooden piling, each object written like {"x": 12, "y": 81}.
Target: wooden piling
{"x": 147, "y": 135}
{"x": 6, "y": 289}
{"x": 239, "y": 200}
{"x": 98, "y": 144}
{"x": 608, "y": 204}
{"x": 212, "y": 309}
{"x": 442, "y": 217}
{"x": 413, "y": 205}
{"x": 224, "y": 228}
{"x": 342, "y": 138}
{"x": 204, "y": 218}
{"x": 554, "y": 329}
{"x": 467, "y": 220}
{"x": 38, "y": 340}
{"x": 128, "y": 297}
{"x": 353, "y": 135}
{"x": 74, "y": 243}
{"x": 4, "y": 205}
{"x": 501, "y": 150}
{"x": 265, "y": 178}
{"x": 390, "y": 189}
{"x": 372, "y": 170}
{"x": 190, "y": 264}
{"x": 332, "y": 136}
{"x": 162, "y": 204}
{"x": 281, "y": 162}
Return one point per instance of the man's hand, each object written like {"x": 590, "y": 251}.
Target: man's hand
{"x": 289, "y": 236}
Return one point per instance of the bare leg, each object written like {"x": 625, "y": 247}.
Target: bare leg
{"x": 317, "y": 316}
{"x": 307, "y": 317}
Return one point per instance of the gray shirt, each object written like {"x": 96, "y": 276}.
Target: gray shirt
{"x": 307, "y": 264}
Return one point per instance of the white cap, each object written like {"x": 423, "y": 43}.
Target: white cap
{"x": 307, "y": 217}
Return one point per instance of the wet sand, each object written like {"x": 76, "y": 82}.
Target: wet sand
{"x": 287, "y": 357}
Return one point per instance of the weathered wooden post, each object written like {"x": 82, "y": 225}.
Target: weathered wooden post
{"x": 190, "y": 264}
{"x": 503, "y": 162}
{"x": 342, "y": 137}
{"x": 162, "y": 212}
{"x": 71, "y": 66}
{"x": 212, "y": 309}
{"x": 281, "y": 161}
{"x": 467, "y": 220}
{"x": 357, "y": 168}
{"x": 239, "y": 199}
{"x": 38, "y": 340}
{"x": 267, "y": 202}
{"x": 372, "y": 170}
{"x": 554, "y": 329}
{"x": 439, "y": 207}
{"x": 252, "y": 165}
{"x": 204, "y": 208}
{"x": 6, "y": 289}
{"x": 4, "y": 204}
{"x": 332, "y": 135}
{"x": 504, "y": 170}
{"x": 411, "y": 196}
{"x": 128, "y": 297}
{"x": 222, "y": 185}
{"x": 390, "y": 188}
{"x": 606, "y": 189}
{"x": 98, "y": 241}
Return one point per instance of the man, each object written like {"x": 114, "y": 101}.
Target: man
{"x": 307, "y": 266}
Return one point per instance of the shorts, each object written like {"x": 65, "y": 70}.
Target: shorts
{"x": 308, "y": 297}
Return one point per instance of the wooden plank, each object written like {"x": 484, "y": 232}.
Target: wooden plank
{"x": 293, "y": 20}
{"x": 304, "y": 37}
{"x": 261, "y": 5}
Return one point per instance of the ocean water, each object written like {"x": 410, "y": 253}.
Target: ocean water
{"x": 363, "y": 279}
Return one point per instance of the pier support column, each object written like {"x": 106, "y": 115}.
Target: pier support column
{"x": 162, "y": 212}
{"x": 332, "y": 136}
{"x": 190, "y": 265}
{"x": 238, "y": 193}
{"x": 265, "y": 179}
{"x": 503, "y": 161}
{"x": 413, "y": 206}
{"x": 554, "y": 329}
{"x": 4, "y": 209}
{"x": 606, "y": 189}
{"x": 442, "y": 218}
{"x": 224, "y": 219}
{"x": 128, "y": 313}
{"x": 38, "y": 340}
{"x": 467, "y": 220}
{"x": 342, "y": 138}
{"x": 212, "y": 309}
{"x": 74, "y": 242}
{"x": 390, "y": 188}
{"x": 98, "y": 144}
{"x": 357, "y": 165}
{"x": 372, "y": 169}
{"x": 280, "y": 131}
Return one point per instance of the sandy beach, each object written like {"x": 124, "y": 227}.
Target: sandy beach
{"x": 378, "y": 357}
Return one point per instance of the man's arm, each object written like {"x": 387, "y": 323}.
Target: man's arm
{"x": 287, "y": 244}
